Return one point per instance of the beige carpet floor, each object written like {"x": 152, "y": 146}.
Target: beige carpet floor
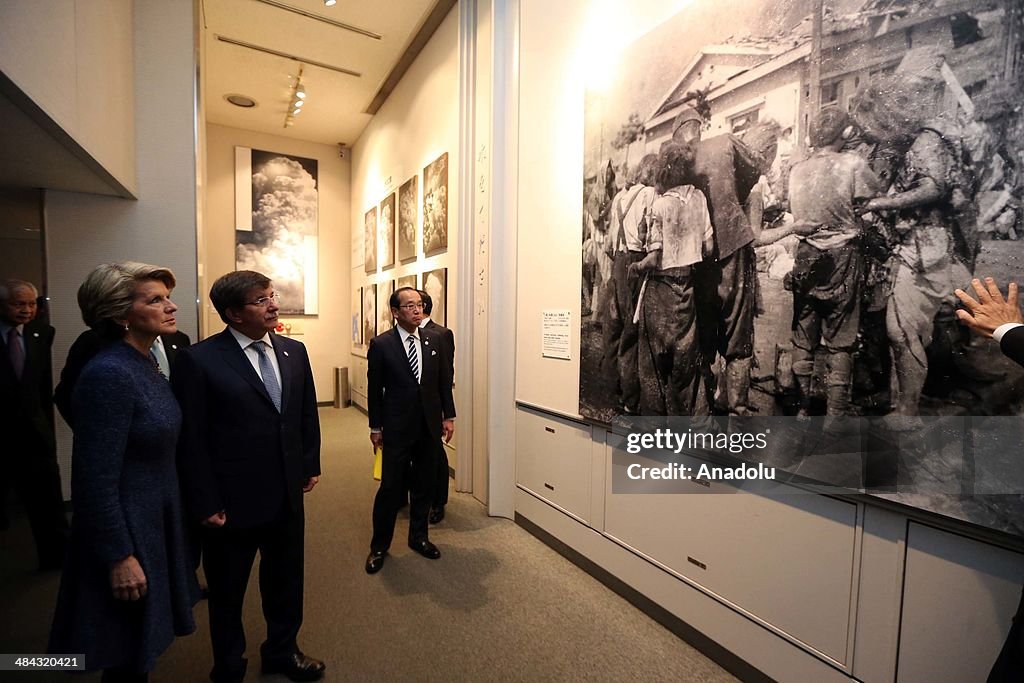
{"x": 498, "y": 606}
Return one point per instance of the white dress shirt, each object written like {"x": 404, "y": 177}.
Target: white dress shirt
{"x": 1003, "y": 329}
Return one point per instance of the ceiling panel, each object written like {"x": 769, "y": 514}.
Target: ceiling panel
{"x": 335, "y": 101}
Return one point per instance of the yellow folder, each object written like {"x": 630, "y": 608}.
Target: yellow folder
{"x": 378, "y": 462}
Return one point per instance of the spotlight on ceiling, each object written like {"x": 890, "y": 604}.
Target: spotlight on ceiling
{"x": 330, "y": 3}
{"x": 297, "y": 100}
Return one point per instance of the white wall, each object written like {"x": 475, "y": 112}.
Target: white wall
{"x": 73, "y": 58}
{"x": 83, "y": 231}
{"x": 418, "y": 123}
{"x": 325, "y": 335}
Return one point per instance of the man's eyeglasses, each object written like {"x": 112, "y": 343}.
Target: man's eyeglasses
{"x": 264, "y": 301}
{"x": 412, "y": 307}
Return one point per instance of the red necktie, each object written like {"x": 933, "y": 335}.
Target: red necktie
{"x": 17, "y": 353}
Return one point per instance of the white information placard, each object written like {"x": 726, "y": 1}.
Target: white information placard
{"x": 556, "y": 331}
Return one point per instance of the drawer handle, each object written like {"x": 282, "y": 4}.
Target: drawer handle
{"x": 696, "y": 562}
{"x": 549, "y": 486}
{"x": 549, "y": 429}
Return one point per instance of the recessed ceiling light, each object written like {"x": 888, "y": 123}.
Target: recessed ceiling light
{"x": 330, "y": 3}
{"x": 241, "y": 101}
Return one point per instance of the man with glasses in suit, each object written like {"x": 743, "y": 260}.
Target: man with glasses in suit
{"x": 248, "y": 451}
{"x": 411, "y": 408}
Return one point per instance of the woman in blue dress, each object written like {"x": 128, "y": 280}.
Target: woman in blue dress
{"x": 128, "y": 586}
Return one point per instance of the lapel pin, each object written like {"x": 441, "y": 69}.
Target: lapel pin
{"x": 36, "y": 335}
{"x": 433, "y": 353}
{"x": 426, "y": 342}
{"x": 285, "y": 352}
{"x": 174, "y": 346}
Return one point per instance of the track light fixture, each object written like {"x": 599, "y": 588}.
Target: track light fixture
{"x": 297, "y": 100}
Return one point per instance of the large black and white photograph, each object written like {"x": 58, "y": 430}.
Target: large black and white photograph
{"x": 779, "y": 206}
{"x": 408, "y": 201}
{"x": 385, "y": 321}
{"x": 435, "y": 283}
{"x": 280, "y": 237}
{"x": 370, "y": 240}
{"x": 369, "y": 313}
{"x": 407, "y": 281}
{"x": 387, "y": 231}
{"x": 435, "y": 206}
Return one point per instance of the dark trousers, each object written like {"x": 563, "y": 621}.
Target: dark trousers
{"x": 30, "y": 468}
{"x": 419, "y": 459}
{"x": 669, "y": 350}
{"x": 228, "y": 555}
{"x": 623, "y": 334}
{"x": 726, "y": 298}
{"x": 1009, "y": 665}
{"x": 440, "y": 495}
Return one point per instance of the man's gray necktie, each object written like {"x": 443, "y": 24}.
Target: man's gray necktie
{"x": 269, "y": 377}
{"x": 16, "y": 352}
{"x": 414, "y": 362}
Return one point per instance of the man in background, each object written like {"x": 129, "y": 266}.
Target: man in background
{"x": 827, "y": 188}
{"x": 29, "y": 458}
{"x": 410, "y": 407}
{"x": 439, "y": 496}
{"x": 725, "y": 283}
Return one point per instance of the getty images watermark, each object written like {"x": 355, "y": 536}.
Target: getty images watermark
{"x": 667, "y": 441}
{"x": 959, "y": 456}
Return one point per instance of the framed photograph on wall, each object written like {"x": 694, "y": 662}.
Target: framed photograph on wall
{"x": 408, "y": 202}
{"x": 814, "y": 110}
{"x": 407, "y": 281}
{"x": 387, "y": 231}
{"x": 370, "y": 240}
{"x": 276, "y": 231}
{"x": 435, "y": 283}
{"x": 385, "y": 321}
{"x": 369, "y": 313}
{"x": 357, "y": 316}
{"x": 435, "y": 206}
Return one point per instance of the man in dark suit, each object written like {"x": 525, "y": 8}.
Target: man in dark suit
{"x": 990, "y": 315}
{"x": 165, "y": 351}
{"x": 411, "y": 407}
{"x": 29, "y": 461}
{"x": 439, "y": 492}
{"x": 249, "y": 449}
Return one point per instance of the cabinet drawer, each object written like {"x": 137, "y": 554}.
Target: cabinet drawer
{"x": 553, "y": 460}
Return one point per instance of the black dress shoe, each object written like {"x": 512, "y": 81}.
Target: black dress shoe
{"x": 374, "y": 561}
{"x": 426, "y": 549}
{"x": 298, "y": 667}
{"x": 436, "y": 515}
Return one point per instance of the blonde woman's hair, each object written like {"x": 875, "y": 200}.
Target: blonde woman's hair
{"x": 108, "y": 291}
